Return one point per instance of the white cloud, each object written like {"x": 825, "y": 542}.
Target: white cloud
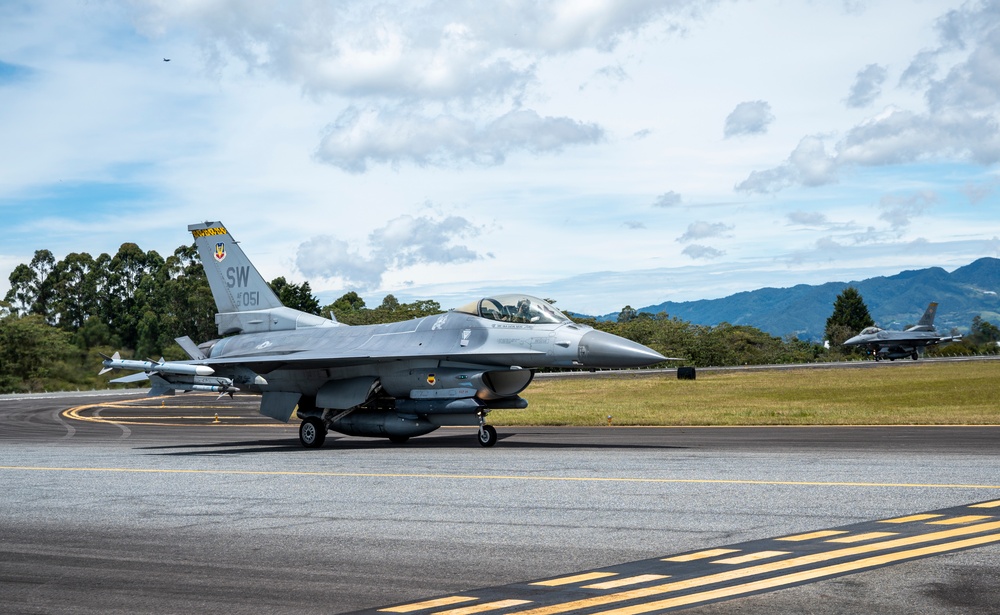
{"x": 980, "y": 192}
{"x": 697, "y": 251}
{"x": 704, "y": 230}
{"x": 748, "y": 118}
{"x": 328, "y": 257}
{"x": 867, "y": 86}
{"x": 899, "y": 210}
{"x": 893, "y": 137}
{"x": 403, "y": 242}
{"x": 901, "y": 136}
{"x": 808, "y": 165}
{"x": 361, "y": 137}
{"x": 807, "y": 218}
{"x": 667, "y": 199}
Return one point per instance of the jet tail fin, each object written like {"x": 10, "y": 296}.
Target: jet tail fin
{"x": 927, "y": 320}
{"x": 236, "y": 284}
{"x": 245, "y": 302}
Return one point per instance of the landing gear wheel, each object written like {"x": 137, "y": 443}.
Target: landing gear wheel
{"x": 914, "y": 356}
{"x": 487, "y": 435}
{"x": 398, "y": 439}
{"x": 312, "y": 432}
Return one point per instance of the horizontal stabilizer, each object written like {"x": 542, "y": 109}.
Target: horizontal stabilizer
{"x": 192, "y": 350}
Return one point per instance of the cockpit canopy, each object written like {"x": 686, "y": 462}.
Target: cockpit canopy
{"x": 870, "y": 331}
{"x": 515, "y": 308}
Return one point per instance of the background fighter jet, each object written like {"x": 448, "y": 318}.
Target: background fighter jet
{"x": 899, "y": 344}
{"x": 394, "y": 380}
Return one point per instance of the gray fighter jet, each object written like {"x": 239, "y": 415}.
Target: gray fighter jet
{"x": 395, "y": 380}
{"x": 894, "y": 345}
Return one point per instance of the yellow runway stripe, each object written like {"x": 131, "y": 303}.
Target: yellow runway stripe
{"x": 960, "y": 520}
{"x": 993, "y": 504}
{"x": 812, "y": 535}
{"x": 750, "y": 557}
{"x": 862, "y": 537}
{"x": 922, "y": 517}
{"x": 804, "y": 560}
{"x": 690, "y": 557}
{"x": 576, "y": 578}
{"x": 483, "y": 608}
{"x": 642, "y": 578}
{"x": 428, "y": 604}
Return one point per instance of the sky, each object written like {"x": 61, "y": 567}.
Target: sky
{"x": 599, "y": 153}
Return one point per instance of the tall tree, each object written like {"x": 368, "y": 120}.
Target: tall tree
{"x": 74, "y": 291}
{"x": 850, "y": 316}
{"x": 30, "y": 287}
{"x": 628, "y": 313}
{"x": 350, "y": 302}
{"x": 23, "y": 288}
{"x": 129, "y": 288}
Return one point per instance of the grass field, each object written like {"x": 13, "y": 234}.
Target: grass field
{"x": 966, "y": 393}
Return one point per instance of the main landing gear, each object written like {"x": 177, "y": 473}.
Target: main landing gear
{"x": 312, "y": 432}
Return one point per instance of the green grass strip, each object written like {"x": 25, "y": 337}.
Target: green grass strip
{"x": 966, "y": 393}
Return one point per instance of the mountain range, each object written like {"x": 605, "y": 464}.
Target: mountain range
{"x": 894, "y": 302}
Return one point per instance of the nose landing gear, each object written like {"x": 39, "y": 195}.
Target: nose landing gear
{"x": 487, "y": 433}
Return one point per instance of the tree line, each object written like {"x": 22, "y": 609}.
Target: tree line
{"x": 60, "y": 315}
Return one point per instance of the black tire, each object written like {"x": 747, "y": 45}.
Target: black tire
{"x": 686, "y": 373}
{"x": 398, "y": 439}
{"x": 312, "y": 432}
{"x": 487, "y": 436}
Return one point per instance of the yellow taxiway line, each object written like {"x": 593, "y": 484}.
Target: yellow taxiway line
{"x": 75, "y": 413}
{"x": 497, "y": 477}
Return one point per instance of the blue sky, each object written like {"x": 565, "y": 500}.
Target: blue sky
{"x": 600, "y": 153}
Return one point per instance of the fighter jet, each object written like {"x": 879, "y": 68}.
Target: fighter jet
{"x": 894, "y": 345}
{"x": 396, "y": 380}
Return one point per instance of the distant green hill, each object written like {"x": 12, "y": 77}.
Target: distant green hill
{"x": 894, "y": 302}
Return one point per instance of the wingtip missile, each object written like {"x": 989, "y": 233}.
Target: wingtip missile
{"x": 115, "y": 362}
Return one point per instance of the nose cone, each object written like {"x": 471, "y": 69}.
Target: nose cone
{"x": 857, "y": 339}
{"x": 600, "y": 349}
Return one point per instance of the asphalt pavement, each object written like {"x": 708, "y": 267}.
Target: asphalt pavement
{"x": 124, "y": 504}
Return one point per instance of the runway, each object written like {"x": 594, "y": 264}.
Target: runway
{"x": 122, "y": 504}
